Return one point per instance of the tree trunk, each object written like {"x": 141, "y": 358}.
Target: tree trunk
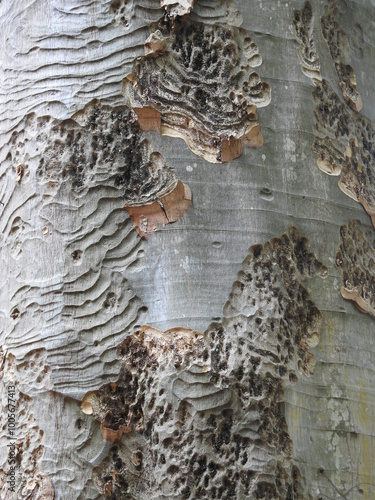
{"x": 147, "y": 351}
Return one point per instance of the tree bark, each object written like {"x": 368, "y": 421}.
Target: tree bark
{"x": 147, "y": 351}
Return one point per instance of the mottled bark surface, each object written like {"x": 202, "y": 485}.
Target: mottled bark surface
{"x": 128, "y": 378}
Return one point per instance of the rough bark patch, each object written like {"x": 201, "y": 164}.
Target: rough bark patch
{"x": 355, "y": 260}
{"x": 200, "y": 81}
{"x": 340, "y": 52}
{"x": 25, "y": 455}
{"x": 202, "y": 416}
{"x": 303, "y": 25}
{"x": 344, "y": 139}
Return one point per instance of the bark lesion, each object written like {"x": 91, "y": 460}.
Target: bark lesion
{"x": 197, "y": 81}
{"x": 338, "y": 45}
{"x": 22, "y": 440}
{"x": 205, "y": 414}
{"x": 344, "y": 137}
{"x": 355, "y": 259}
{"x": 344, "y": 143}
{"x": 303, "y": 26}
{"x": 102, "y": 145}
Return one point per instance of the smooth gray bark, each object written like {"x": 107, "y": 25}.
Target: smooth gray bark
{"x": 77, "y": 279}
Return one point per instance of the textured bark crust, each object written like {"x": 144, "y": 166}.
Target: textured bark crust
{"x": 344, "y": 140}
{"x": 100, "y": 144}
{"x": 98, "y": 141}
{"x": 333, "y": 128}
{"x": 345, "y": 145}
{"x": 199, "y": 80}
{"x": 202, "y": 416}
{"x": 303, "y": 30}
{"x": 76, "y": 174}
{"x": 339, "y": 49}
{"x": 355, "y": 259}
{"x": 32, "y": 375}
{"x": 65, "y": 226}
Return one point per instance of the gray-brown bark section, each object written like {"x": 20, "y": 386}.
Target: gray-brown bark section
{"x": 343, "y": 139}
{"x": 201, "y": 82}
{"x": 202, "y": 416}
{"x": 355, "y": 259}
